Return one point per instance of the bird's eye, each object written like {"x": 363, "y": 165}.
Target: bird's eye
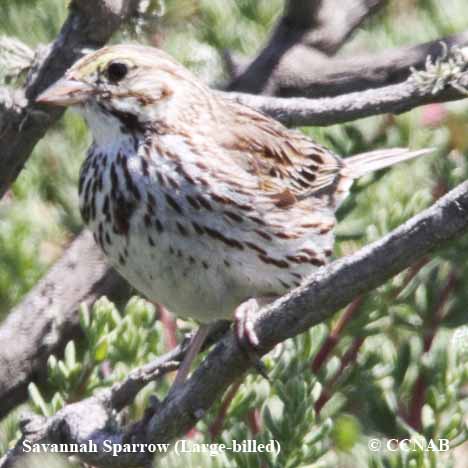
{"x": 116, "y": 71}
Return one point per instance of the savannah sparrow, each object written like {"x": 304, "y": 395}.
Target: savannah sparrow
{"x": 202, "y": 204}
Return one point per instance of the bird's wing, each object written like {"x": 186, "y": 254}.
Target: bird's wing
{"x": 288, "y": 166}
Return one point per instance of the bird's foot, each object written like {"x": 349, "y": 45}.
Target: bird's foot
{"x": 245, "y": 333}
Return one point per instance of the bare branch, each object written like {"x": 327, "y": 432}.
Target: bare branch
{"x": 314, "y": 75}
{"x": 329, "y": 289}
{"x": 319, "y": 27}
{"x": 394, "y": 99}
{"x": 90, "y": 24}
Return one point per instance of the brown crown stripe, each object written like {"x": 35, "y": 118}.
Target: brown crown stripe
{"x": 273, "y": 261}
{"x": 227, "y": 240}
{"x": 173, "y": 204}
{"x": 252, "y": 246}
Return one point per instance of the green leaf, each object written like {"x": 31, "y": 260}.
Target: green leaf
{"x": 102, "y": 349}
{"x": 38, "y": 400}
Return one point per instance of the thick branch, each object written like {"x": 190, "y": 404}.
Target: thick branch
{"x": 329, "y": 289}
{"x": 90, "y": 24}
{"x": 317, "y": 27}
{"x": 394, "y": 99}
{"x": 313, "y": 75}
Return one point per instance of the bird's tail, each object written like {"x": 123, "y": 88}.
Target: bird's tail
{"x": 371, "y": 161}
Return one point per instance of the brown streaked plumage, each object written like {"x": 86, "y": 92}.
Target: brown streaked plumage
{"x": 200, "y": 202}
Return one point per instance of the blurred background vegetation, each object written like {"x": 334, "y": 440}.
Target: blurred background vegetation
{"x": 409, "y": 335}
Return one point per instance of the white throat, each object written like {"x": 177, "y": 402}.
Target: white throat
{"x": 106, "y": 128}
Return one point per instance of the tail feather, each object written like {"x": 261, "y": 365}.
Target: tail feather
{"x": 371, "y": 161}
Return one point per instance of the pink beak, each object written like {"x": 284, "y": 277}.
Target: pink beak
{"x": 66, "y": 92}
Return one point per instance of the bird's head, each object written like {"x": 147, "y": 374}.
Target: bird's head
{"x": 137, "y": 83}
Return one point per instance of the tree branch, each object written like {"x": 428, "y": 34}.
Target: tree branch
{"x": 307, "y": 27}
{"x": 326, "y": 291}
{"x": 90, "y": 24}
{"x": 314, "y": 75}
{"x": 394, "y": 99}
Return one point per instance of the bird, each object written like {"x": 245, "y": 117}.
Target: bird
{"x": 203, "y": 204}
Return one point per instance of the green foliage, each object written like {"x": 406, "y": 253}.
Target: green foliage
{"x": 112, "y": 345}
{"x": 410, "y": 335}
